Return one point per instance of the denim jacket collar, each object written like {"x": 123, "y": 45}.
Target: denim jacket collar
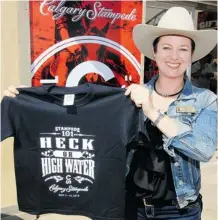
{"x": 187, "y": 92}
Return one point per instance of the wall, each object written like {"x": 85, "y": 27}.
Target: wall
{"x": 15, "y": 66}
{"x": 9, "y": 75}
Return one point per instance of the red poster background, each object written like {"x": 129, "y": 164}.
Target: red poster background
{"x": 47, "y": 33}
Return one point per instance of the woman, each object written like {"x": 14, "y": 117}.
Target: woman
{"x": 180, "y": 119}
{"x": 164, "y": 181}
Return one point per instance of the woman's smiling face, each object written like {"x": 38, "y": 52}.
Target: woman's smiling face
{"x": 173, "y": 55}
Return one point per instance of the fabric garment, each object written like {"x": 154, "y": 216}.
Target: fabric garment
{"x": 153, "y": 175}
{"x": 59, "y": 217}
{"x": 195, "y": 114}
{"x": 71, "y": 159}
{"x": 136, "y": 210}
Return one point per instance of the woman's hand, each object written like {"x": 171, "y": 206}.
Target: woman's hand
{"x": 11, "y": 91}
{"x": 141, "y": 97}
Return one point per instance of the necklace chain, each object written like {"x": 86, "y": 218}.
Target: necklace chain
{"x": 166, "y": 95}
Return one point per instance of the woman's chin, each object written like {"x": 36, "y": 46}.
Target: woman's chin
{"x": 174, "y": 75}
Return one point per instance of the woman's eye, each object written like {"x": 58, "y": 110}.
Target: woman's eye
{"x": 183, "y": 49}
{"x": 166, "y": 48}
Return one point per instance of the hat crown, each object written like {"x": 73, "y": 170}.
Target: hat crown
{"x": 177, "y": 18}
{"x": 176, "y": 21}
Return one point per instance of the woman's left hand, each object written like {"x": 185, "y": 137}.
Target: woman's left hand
{"x": 141, "y": 97}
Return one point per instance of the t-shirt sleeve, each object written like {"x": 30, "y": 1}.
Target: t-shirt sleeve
{"x": 137, "y": 135}
{"x": 7, "y": 128}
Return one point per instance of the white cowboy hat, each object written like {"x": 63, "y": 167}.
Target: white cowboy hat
{"x": 176, "y": 21}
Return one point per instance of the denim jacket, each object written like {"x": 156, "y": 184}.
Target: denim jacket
{"x": 196, "y": 140}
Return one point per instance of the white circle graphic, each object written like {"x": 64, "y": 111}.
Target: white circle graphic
{"x": 87, "y": 67}
{"x": 83, "y": 40}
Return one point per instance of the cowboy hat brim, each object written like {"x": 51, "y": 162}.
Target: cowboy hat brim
{"x": 144, "y": 36}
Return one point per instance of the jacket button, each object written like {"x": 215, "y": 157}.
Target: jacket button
{"x": 180, "y": 183}
{"x": 176, "y": 164}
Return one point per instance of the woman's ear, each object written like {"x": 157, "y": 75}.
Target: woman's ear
{"x": 154, "y": 54}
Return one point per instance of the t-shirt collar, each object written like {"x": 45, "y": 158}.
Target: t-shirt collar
{"x": 56, "y": 93}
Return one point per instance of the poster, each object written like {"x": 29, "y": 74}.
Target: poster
{"x": 74, "y": 42}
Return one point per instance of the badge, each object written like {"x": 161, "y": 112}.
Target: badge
{"x": 185, "y": 109}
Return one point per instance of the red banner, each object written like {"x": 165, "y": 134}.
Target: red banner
{"x": 73, "y": 42}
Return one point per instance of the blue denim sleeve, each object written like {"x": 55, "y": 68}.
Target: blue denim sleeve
{"x": 200, "y": 140}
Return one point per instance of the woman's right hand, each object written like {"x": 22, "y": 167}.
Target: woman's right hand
{"x": 11, "y": 91}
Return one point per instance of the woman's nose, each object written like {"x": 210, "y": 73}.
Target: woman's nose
{"x": 175, "y": 55}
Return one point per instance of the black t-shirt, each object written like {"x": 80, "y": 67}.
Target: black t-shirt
{"x": 151, "y": 175}
{"x": 71, "y": 159}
